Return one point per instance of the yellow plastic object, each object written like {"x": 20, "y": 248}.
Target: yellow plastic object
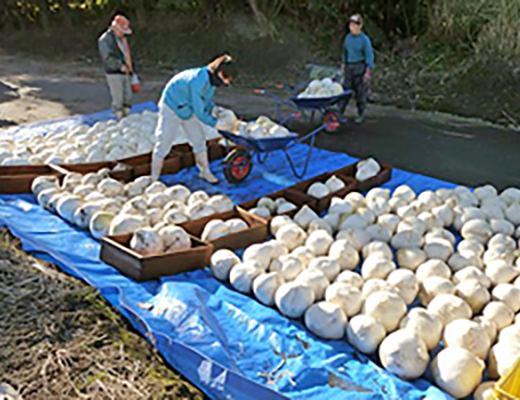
{"x": 508, "y": 387}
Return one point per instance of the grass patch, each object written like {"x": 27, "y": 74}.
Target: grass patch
{"x": 60, "y": 339}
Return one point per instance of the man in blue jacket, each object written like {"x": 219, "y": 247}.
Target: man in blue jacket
{"x": 187, "y": 113}
{"x": 358, "y": 63}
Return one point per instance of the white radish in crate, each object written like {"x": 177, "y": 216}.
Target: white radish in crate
{"x": 147, "y": 241}
{"x": 367, "y": 169}
{"x": 175, "y": 239}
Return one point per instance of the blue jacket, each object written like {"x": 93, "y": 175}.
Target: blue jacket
{"x": 190, "y": 93}
{"x": 358, "y": 49}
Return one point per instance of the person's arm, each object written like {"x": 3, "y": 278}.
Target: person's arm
{"x": 111, "y": 61}
{"x": 201, "y": 106}
{"x": 369, "y": 54}
{"x": 345, "y": 51}
{"x": 133, "y": 55}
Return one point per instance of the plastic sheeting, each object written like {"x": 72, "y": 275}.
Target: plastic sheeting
{"x": 226, "y": 343}
{"x": 27, "y": 131}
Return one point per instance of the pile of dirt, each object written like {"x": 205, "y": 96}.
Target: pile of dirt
{"x": 60, "y": 339}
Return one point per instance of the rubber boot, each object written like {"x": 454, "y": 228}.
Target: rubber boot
{"x": 359, "y": 119}
{"x": 201, "y": 159}
{"x": 157, "y": 164}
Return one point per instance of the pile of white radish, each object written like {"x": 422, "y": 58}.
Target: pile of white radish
{"x": 267, "y": 207}
{"x": 387, "y": 272}
{"x": 218, "y": 228}
{"x": 366, "y": 169}
{"x": 105, "y": 206}
{"x": 262, "y": 128}
{"x": 320, "y": 190}
{"x": 105, "y": 141}
{"x": 321, "y": 89}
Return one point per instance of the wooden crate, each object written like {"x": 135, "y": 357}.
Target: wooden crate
{"x": 215, "y": 152}
{"x": 124, "y": 175}
{"x": 116, "y": 251}
{"x": 137, "y": 160}
{"x": 256, "y": 233}
{"x": 171, "y": 165}
{"x": 18, "y": 179}
{"x": 296, "y": 197}
{"x": 321, "y": 205}
{"x": 382, "y": 177}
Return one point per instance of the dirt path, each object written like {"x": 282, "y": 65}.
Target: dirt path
{"x": 460, "y": 150}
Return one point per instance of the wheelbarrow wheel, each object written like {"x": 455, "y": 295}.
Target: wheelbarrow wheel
{"x": 331, "y": 120}
{"x": 237, "y": 166}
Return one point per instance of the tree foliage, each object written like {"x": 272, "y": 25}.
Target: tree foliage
{"x": 482, "y": 26}
{"x": 394, "y": 17}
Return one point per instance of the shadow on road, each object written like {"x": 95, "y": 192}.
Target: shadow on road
{"x": 7, "y": 93}
{"x": 78, "y": 96}
{"x": 465, "y": 154}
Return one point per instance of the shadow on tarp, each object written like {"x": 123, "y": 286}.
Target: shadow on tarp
{"x": 226, "y": 343}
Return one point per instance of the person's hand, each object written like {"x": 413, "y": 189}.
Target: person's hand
{"x": 367, "y": 77}
{"x": 217, "y": 111}
{"x": 236, "y": 126}
{"x": 124, "y": 69}
{"x": 222, "y": 126}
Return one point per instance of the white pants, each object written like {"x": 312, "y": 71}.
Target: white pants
{"x": 171, "y": 130}
{"x": 120, "y": 90}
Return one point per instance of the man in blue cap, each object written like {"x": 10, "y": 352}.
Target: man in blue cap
{"x": 358, "y": 63}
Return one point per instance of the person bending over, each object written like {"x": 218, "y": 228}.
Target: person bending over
{"x": 187, "y": 113}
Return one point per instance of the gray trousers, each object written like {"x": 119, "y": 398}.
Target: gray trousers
{"x": 353, "y": 80}
{"x": 120, "y": 91}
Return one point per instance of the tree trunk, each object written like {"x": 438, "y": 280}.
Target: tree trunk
{"x": 65, "y": 12}
{"x": 259, "y": 15}
{"x": 43, "y": 8}
{"x": 141, "y": 13}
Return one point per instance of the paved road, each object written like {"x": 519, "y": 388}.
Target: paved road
{"x": 459, "y": 150}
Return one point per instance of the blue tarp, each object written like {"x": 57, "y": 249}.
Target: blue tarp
{"x": 22, "y": 132}
{"x": 226, "y": 343}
